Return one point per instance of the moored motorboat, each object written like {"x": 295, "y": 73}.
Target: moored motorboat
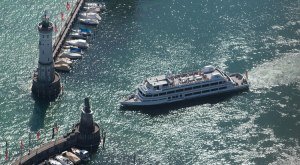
{"x": 166, "y": 89}
{"x": 52, "y": 162}
{"x": 76, "y": 35}
{"x": 82, "y": 154}
{"x": 64, "y": 61}
{"x": 102, "y": 6}
{"x": 80, "y": 43}
{"x": 62, "y": 67}
{"x": 86, "y": 15}
{"x": 73, "y": 50}
{"x": 72, "y": 56}
{"x": 63, "y": 160}
{"x": 83, "y": 31}
{"x": 88, "y": 21}
{"x": 75, "y": 159}
{"x": 92, "y": 9}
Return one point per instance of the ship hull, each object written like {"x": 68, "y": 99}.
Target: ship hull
{"x": 200, "y": 97}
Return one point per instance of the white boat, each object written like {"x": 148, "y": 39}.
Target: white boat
{"x": 73, "y": 50}
{"x": 88, "y": 21}
{"x": 80, "y": 43}
{"x": 82, "y": 31}
{"x": 69, "y": 47}
{"x": 62, "y": 67}
{"x": 92, "y": 9}
{"x": 86, "y": 15}
{"x": 52, "y": 162}
{"x": 102, "y": 6}
{"x": 72, "y": 56}
{"x": 166, "y": 89}
{"x": 82, "y": 154}
{"x": 76, "y": 35}
{"x": 63, "y": 160}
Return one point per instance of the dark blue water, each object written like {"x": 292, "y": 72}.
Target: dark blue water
{"x": 140, "y": 38}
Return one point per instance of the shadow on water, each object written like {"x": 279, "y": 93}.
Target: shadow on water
{"x": 36, "y": 121}
{"x": 167, "y": 108}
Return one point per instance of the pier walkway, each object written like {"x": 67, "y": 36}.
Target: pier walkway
{"x": 66, "y": 28}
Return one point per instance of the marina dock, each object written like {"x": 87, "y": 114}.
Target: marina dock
{"x": 66, "y": 28}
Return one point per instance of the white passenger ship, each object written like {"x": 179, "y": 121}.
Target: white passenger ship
{"x": 165, "y": 89}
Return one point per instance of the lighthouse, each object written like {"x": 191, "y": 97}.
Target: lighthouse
{"x": 46, "y": 82}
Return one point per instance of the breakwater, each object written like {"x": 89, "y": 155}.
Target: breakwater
{"x": 84, "y": 135}
{"x": 66, "y": 28}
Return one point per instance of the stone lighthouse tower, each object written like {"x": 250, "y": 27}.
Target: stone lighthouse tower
{"x": 88, "y": 131}
{"x": 46, "y": 82}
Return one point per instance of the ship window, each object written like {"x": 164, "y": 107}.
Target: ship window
{"x": 205, "y": 85}
{"x": 43, "y": 52}
{"x": 197, "y": 93}
{"x": 188, "y": 88}
{"x": 174, "y": 97}
{"x": 205, "y": 91}
{"x": 222, "y": 88}
{"x": 197, "y": 87}
{"x": 179, "y": 90}
{"x": 189, "y": 94}
{"x": 148, "y": 95}
{"x": 214, "y": 89}
{"x": 221, "y": 82}
{"x": 164, "y": 85}
{"x": 164, "y": 93}
{"x": 170, "y": 92}
{"x": 47, "y": 36}
{"x": 169, "y": 98}
{"x": 155, "y": 95}
{"x": 216, "y": 83}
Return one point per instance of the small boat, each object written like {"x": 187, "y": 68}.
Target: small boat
{"x": 92, "y": 9}
{"x": 102, "y": 6}
{"x": 75, "y": 159}
{"x": 82, "y": 31}
{"x": 86, "y": 15}
{"x": 72, "y": 56}
{"x": 62, "y": 67}
{"x": 63, "y": 160}
{"x": 66, "y": 61}
{"x": 76, "y": 35}
{"x": 88, "y": 21}
{"x": 69, "y": 46}
{"x": 80, "y": 43}
{"x": 82, "y": 154}
{"x": 52, "y": 162}
{"x": 73, "y": 50}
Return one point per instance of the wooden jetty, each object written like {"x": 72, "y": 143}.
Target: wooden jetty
{"x": 66, "y": 28}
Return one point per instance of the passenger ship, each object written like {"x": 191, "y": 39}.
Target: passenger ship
{"x": 165, "y": 89}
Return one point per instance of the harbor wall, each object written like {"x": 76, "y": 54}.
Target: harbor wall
{"x": 76, "y": 139}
